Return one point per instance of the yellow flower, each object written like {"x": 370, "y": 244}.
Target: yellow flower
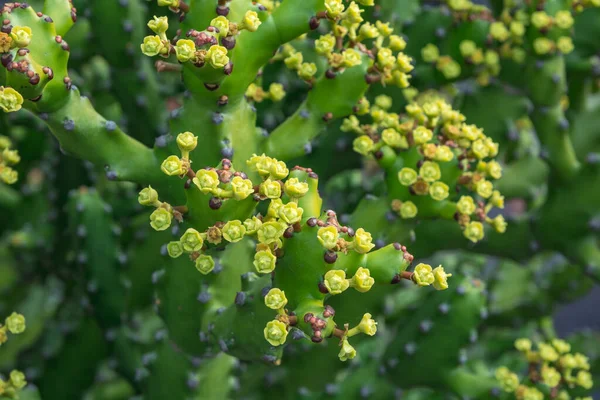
{"x": 15, "y": 323}
{"x": 252, "y": 225}
{"x": 168, "y": 3}
{"x": 276, "y": 91}
{"x": 363, "y": 145}
{"x": 264, "y": 261}
{"x": 523, "y": 344}
{"x": 278, "y": 169}
{"x": 234, "y": 231}
{"x": 187, "y": 141}
{"x": 294, "y": 188}
{"x": 270, "y": 189}
{"x": 153, "y": 46}
{"x": 251, "y": 21}
{"x": 335, "y": 281}
{"x": 148, "y": 197}
{"x": 397, "y": 43}
{"x": 430, "y": 53}
{"x": 484, "y": 188}
{"x": 206, "y": 180}
{"x": 242, "y": 188}
{"x": 362, "y": 280}
{"x": 547, "y": 352}
{"x": 441, "y": 278}
{"x": 290, "y": 213}
{"x": 508, "y": 380}
{"x": 270, "y": 232}
{"x": 408, "y": 210}
{"x": 222, "y": 24}
{"x": 325, "y": 44}
{"x": 307, "y": 70}
{"x": 367, "y": 325}
{"x": 474, "y": 231}
{"x": 334, "y": 8}
{"x": 205, "y": 264}
{"x": 160, "y": 219}
{"x": 275, "y": 299}
{"x": 185, "y": 50}
{"x": 217, "y": 56}
{"x": 21, "y": 35}
{"x": 351, "y": 58}
{"x": 261, "y": 164}
{"x": 550, "y": 376}
{"x": 430, "y": 171}
{"x": 439, "y": 191}
{"x": 499, "y": 224}
{"x": 328, "y": 236}
{"x": 275, "y": 332}
{"x": 347, "y": 352}
{"x": 362, "y": 241}
{"x": 159, "y": 25}
{"x": 423, "y": 275}
{"x": 172, "y": 166}
{"x": 17, "y": 379}
{"x": 175, "y": 249}
{"x": 10, "y": 99}
{"x": 191, "y": 240}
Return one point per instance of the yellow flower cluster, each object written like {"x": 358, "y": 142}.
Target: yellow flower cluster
{"x": 8, "y": 158}
{"x": 439, "y": 153}
{"x": 15, "y": 324}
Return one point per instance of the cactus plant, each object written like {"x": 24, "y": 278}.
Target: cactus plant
{"x": 175, "y": 233}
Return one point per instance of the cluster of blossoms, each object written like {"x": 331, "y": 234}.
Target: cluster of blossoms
{"x": 11, "y": 44}
{"x": 15, "y": 324}
{"x": 437, "y": 165}
{"x": 449, "y": 67}
{"x": 553, "y": 370}
{"x": 8, "y": 157}
{"x": 351, "y": 42}
{"x": 199, "y": 48}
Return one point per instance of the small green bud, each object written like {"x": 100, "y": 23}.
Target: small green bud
{"x": 252, "y": 225}
{"x": 21, "y": 35}
{"x": 159, "y": 25}
{"x": 423, "y": 275}
{"x": 430, "y": 171}
{"x": 325, "y": 44}
{"x": 335, "y": 281}
{"x": 407, "y": 176}
{"x": 217, "y": 56}
{"x": 270, "y": 232}
{"x": 206, "y": 180}
{"x": 307, "y": 70}
{"x": 362, "y": 280}
{"x": 362, "y": 241}
{"x": 384, "y": 102}
{"x": 351, "y": 58}
{"x": 397, "y": 43}
{"x": 160, "y": 219}
{"x": 347, "y": 352}
{"x": 251, "y": 21}
{"x": 153, "y": 46}
{"x": 234, "y": 231}
{"x": 439, "y": 191}
{"x": 334, "y": 8}
{"x": 185, "y": 50}
{"x": 242, "y": 188}
{"x": 467, "y": 48}
{"x": 290, "y": 213}
{"x": 328, "y": 236}
{"x": 294, "y": 60}
{"x": 441, "y": 278}
{"x": 222, "y": 24}
{"x": 278, "y": 169}
{"x": 276, "y": 91}
{"x": 15, "y": 323}
{"x": 10, "y": 99}
{"x": 205, "y": 264}
{"x": 270, "y": 189}
{"x": 367, "y": 325}
{"x": 275, "y": 299}
{"x": 264, "y": 261}
{"x": 275, "y": 332}
{"x": 466, "y": 205}
{"x": 351, "y": 124}
{"x": 294, "y": 188}
{"x": 17, "y": 379}
{"x": 474, "y": 231}
{"x": 172, "y": 166}
{"x": 408, "y": 210}
{"x": 363, "y": 145}
{"x": 175, "y": 249}
{"x": 191, "y": 240}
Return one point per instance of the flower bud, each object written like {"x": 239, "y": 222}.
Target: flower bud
{"x": 362, "y": 241}
{"x": 160, "y": 219}
{"x": 441, "y": 278}
{"x": 234, "y": 231}
{"x": 270, "y": 232}
{"x": 252, "y": 225}
{"x": 159, "y": 25}
{"x": 206, "y": 180}
{"x": 148, "y": 197}
{"x": 294, "y": 188}
{"x": 335, "y": 281}
{"x": 363, "y": 145}
{"x": 270, "y": 189}
{"x": 423, "y": 275}
{"x": 153, "y": 46}
{"x": 242, "y": 188}
{"x": 10, "y": 99}
{"x": 15, "y": 323}
{"x": 347, "y": 352}
{"x": 205, "y": 264}
{"x": 275, "y": 299}
{"x": 172, "y": 166}
{"x": 362, "y": 280}
{"x": 328, "y": 236}
{"x": 367, "y": 325}
{"x": 275, "y": 332}
{"x": 290, "y": 213}
{"x": 264, "y": 261}
{"x": 474, "y": 231}
{"x": 174, "y": 249}
{"x": 251, "y": 21}
{"x": 191, "y": 240}
{"x": 217, "y": 57}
